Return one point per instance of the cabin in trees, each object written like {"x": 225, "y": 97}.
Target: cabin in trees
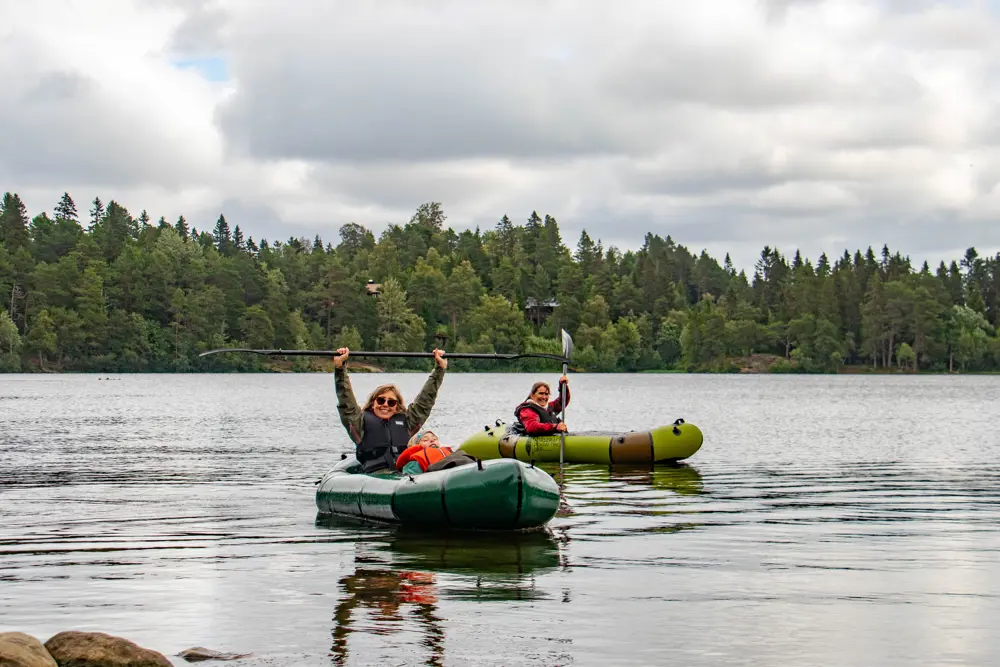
{"x": 539, "y": 310}
{"x": 373, "y": 288}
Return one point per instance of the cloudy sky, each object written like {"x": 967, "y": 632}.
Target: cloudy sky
{"x": 729, "y": 124}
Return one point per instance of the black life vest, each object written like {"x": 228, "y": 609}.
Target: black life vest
{"x": 383, "y": 442}
{"x": 544, "y": 415}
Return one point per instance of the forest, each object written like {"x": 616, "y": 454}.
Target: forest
{"x": 107, "y": 291}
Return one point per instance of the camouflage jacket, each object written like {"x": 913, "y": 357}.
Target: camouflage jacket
{"x": 416, "y": 414}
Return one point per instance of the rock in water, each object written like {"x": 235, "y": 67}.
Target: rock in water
{"x": 198, "y": 653}
{"x": 20, "y": 650}
{"x": 97, "y": 649}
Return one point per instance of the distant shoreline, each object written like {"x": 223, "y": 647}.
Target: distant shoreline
{"x": 279, "y": 368}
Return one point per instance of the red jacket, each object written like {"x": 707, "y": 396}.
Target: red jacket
{"x": 530, "y": 420}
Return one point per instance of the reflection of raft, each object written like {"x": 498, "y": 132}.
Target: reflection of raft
{"x": 682, "y": 479}
{"x": 490, "y": 554}
{"x": 660, "y": 445}
{"x": 490, "y": 495}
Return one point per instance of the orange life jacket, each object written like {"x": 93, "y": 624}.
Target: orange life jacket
{"x": 423, "y": 455}
{"x": 417, "y": 588}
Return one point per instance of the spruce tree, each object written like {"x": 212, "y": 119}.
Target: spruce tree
{"x": 222, "y": 237}
{"x": 13, "y": 222}
{"x": 96, "y": 212}
{"x": 66, "y": 208}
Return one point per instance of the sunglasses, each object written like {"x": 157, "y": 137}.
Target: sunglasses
{"x": 382, "y": 400}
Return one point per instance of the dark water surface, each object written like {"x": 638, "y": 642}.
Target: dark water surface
{"x": 825, "y": 521}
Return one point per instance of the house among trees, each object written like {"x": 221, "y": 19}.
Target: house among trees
{"x": 374, "y": 288}
{"x": 539, "y": 310}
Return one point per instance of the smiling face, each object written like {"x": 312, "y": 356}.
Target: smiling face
{"x": 385, "y": 404}
{"x": 541, "y": 395}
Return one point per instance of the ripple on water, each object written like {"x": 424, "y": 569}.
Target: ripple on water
{"x": 178, "y": 511}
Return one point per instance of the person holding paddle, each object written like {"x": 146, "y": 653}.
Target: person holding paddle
{"x": 538, "y": 416}
{"x": 382, "y": 429}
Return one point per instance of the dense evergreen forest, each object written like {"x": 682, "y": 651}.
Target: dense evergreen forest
{"x": 115, "y": 292}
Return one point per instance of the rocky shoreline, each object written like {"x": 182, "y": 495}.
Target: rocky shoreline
{"x": 91, "y": 649}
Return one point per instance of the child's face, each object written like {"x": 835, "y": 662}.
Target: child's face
{"x": 430, "y": 440}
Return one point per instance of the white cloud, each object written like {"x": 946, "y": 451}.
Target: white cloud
{"x": 729, "y": 125}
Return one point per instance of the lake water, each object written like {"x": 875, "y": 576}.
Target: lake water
{"x": 828, "y": 520}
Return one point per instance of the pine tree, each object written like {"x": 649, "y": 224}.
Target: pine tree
{"x": 238, "y": 239}
{"x": 727, "y": 266}
{"x": 587, "y": 254}
{"x": 114, "y": 229}
{"x": 66, "y": 208}
{"x": 505, "y": 233}
{"x": 96, "y": 212}
{"x": 13, "y": 222}
{"x": 223, "y": 238}
{"x": 181, "y": 227}
{"x": 529, "y": 238}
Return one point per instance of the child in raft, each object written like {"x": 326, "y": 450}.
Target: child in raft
{"x": 425, "y": 453}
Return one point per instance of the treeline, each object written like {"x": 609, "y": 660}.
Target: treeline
{"x": 123, "y": 293}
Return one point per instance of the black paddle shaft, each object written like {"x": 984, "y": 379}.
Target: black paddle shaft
{"x": 333, "y": 353}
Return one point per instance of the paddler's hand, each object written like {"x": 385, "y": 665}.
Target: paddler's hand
{"x": 439, "y": 359}
{"x": 339, "y": 360}
{"x": 564, "y": 380}
{"x": 561, "y": 427}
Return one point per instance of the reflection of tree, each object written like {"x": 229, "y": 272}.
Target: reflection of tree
{"x": 386, "y": 591}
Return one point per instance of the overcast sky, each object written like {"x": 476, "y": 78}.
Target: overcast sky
{"x": 728, "y": 124}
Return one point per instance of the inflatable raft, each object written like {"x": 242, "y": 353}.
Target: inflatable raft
{"x": 487, "y": 495}
{"x": 663, "y": 444}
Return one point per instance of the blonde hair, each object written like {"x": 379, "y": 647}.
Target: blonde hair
{"x": 419, "y": 435}
{"x": 401, "y": 407}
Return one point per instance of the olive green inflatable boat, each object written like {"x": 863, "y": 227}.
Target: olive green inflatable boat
{"x": 663, "y": 444}
{"x": 486, "y": 495}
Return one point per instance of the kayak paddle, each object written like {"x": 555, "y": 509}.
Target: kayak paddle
{"x": 447, "y": 355}
{"x": 567, "y": 350}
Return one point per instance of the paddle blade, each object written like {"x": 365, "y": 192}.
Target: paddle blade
{"x": 567, "y": 344}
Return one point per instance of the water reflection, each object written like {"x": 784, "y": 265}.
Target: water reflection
{"x": 506, "y": 553}
{"x": 503, "y": 554}
{"x": 682, "y": 478}
{"x": 384, "y": 592}
{"x": 400, "y": 576}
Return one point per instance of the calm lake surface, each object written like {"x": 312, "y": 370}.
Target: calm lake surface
{"x": 826, "y": 520}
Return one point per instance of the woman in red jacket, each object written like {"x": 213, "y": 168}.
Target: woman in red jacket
{"x": 538, "y": 416}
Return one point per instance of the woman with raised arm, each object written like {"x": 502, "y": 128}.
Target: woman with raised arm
{"x": 381, "y": 429}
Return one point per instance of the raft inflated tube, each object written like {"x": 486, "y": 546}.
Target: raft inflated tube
{"x": 487, "y": 495}
{"x": 663, "y": 444}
